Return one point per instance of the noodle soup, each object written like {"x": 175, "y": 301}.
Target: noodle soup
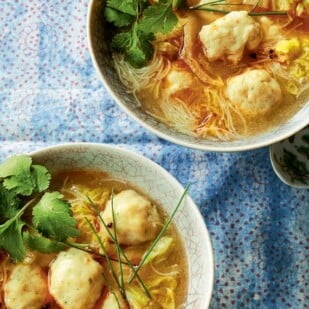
{"x": 87, "y": 273}
{"x": 225, "y": 71}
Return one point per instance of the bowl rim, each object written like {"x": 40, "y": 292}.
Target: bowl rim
{"x": 276, "y": 149}
{"x": 174, "y": 182}
{"x": 175, "y": 140}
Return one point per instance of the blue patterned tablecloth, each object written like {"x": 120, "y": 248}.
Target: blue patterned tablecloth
{"x": 50, "y": 94}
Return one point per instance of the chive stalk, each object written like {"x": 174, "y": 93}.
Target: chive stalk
{"x": 210, "y": 10}
{"x": 276, "y": 13}
{"x": 116, "y": 241}
{"x": 141, "y": 282}
{"x": 228, "y": 4}
{"x": 208, "y": 3}
{"x": 109, "y": 286}
{"x": 207, "y": 7}
{"x": 108, "y": 260}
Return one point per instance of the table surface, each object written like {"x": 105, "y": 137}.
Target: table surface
{"x": 51, "y": 94}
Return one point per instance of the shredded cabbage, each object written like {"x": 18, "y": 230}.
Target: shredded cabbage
{"x": 299, "y": 68}
{"x": 162, "y": 290}
{"x": 302, "y": 6}
{"x": 284, "y": 4}
{"x": 288, "y": 50}
{"x": 165, "y": 297}
{"x": 161, "y": 248}
{"x": 162, "y": 282}
{"x": 136, "y": 297}
{"x": 294, "y": 54}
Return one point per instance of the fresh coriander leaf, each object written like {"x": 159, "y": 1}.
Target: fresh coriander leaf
{"x": 52, "y": 217}
{"x": 121, "y": 41}
{"x": 15, "y": 165}
{"x": 158, "y": 18}
{"x": 11, "y": 240}
{"x": 42, "y": 244}
{"x": 41, "y": 177}
{"x": 125, "y": 6}
{"x": 145, "y": 43}
{"x": 21, "y": 184}
{"x": 136, "y": 57}
{"x": 119, "y": 19}
{"x": 9, "y": 204}
{"x": 135, "y": 45}
{"x": 16, "y": 171}
{"x": 21, "y": 176}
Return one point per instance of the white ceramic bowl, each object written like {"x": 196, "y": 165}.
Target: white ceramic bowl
{"x": 157, "y": 183}
{"x": 102, "y": 60}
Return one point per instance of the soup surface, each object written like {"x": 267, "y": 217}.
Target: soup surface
{"x": 117, "y": 225}
{"x": 226, "y": 70}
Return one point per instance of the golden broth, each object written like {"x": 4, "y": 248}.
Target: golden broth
{"x": 197, "y": 103}
{"x": 167, "y": 273}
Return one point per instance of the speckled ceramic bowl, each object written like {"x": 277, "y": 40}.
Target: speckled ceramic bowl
{"x": 290, "y": 159}
{"x": 157, "y": 183}
{"x": 101, "y": 56}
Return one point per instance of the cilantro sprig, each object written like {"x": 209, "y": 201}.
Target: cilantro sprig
{"x": 24, "y": 177}
{"x": 137, "y": 22}
{"x": 30, "y": 216}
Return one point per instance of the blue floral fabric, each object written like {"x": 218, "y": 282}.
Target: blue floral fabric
{"x": 50, "y": 94}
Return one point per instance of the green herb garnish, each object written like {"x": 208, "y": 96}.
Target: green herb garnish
{"x": 135, "y": 45}
{"x": 37, "y": 242}
{"x": 158, "y": 18}
{"x": 209, "y": 7}
{"x": 137, "y": 22}
{"x": 52, "y": 216}
{"x": 11, "y": 235}
{"x": 117, "y": 247}
{"x": 23, "y": 177}
{"x": 94, "y": 207}
{"x": 23, "y": 188}
{"x": 108, "y": 260}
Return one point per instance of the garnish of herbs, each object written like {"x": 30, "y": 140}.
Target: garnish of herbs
{"x": 211, "y": 7}
{"x": 137, "y": 22}
{"x": 50, "y": 227}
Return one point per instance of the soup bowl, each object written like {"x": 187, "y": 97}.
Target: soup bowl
{"x": 99, "y": 46}
{"x": 155, "y": 182}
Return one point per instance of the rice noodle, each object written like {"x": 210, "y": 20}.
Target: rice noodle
{"x": 177, "y": 115}
{"x": 286, "y": 79}
{"x": 148, "y": 77}
{"x": 223, "y": 132}
{"x": 217, "y": 120}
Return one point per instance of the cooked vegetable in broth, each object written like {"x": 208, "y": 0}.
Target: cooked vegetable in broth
{"x": 218, "y": 70}
{"x": 122, "y": 254}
